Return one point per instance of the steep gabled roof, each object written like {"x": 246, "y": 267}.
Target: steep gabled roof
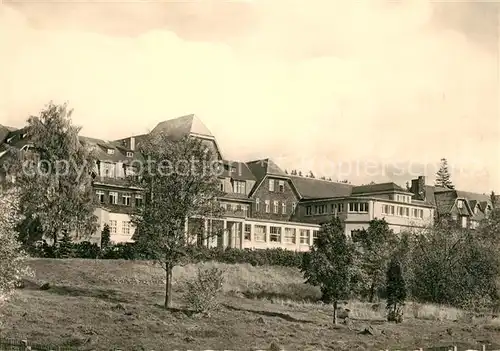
{"x": 100, "y": 147}
{"x": 377, "y": 188}
{"x": 266, "y": 166}
{"x": 183, "y": 126}
{"x": 312, "y": 188}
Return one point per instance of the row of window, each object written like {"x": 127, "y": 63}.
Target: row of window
{"x": 277, "y": 206}
{"x": 125, "y": 227}
{"x": 402, "y": 211}
{"x": 402, "y": 198}
{"x": 280, "y": 188}
{"x": 360, "y": 207}
{"x": 244, "y": 209}
{"x": 279, "y": 234}
{"x": 112, "y": 152}
{"x": 116, "y": 198}
{"x": 239, "y": 187}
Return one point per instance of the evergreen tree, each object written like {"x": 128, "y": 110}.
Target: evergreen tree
{"x": 65, "y": 246}
{"x": 396, "y": 292}
{"x": 443, "y": 177}
{"x": 493, "y": 199}
{"x": 105, "y": 237}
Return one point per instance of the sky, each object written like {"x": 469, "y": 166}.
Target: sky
{"x": 357, "y": 90}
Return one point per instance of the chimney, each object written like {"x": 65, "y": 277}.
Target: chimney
{"x": 132, "y": 143}
{"x": 418, "y": 188}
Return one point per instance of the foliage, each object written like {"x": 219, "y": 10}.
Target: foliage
{"x": 64, "y": 248}
{"x": 376, "y": 246}
{"x": 443, "y": 177}
{"x": 331, "y": 263}
{"x": 105, "y": 236}
{"x": 180, "y": 182}
{"x": 453, "y": 266}
{"x": 54, "y": 176}
{"x": 203, "y": 293}
{"x": 395, "y": 291}
{"x": 13, "y": 261}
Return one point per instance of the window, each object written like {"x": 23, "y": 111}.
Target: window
{"x": 112, "y": 226}
{"x": 420, "y": 213}
{"x": 308, "y": 210}
{"x": 407, "y": 212}
{"x": 239, "y": 187}
{"x": 221, "y": 188}
{"x": 229, "y": 207}
{"x": 333, "y": 208}
{"x": 245, "y": 210}
{"x": 283, "y": 207}
{"x": 320, "y": 209}
{"x": 315, "y": 235}
{"x": 138, "y": 200}
{"x": 113, "y": 198}
{"x": 464, "y": 222}
{"x": 358, "y": 207}
{"x": 475, "y": 210}
{"x": 238, "y": 208}
{"x": 290, "y": 235}
{"x": 271, "y": 184}
{"x": 268, "y": 206}
{"x": 275, "y": 206}
{"x": 388, "y": 209}
{"x": 341, "y": 207}
{"x": 294, "y": 205}
{"x": 126, "y": 227}
{"x": 111, "y": 151}
{"x": 275, "y": 234}
{"x": 260, "y": 233}
{"x": 304, "y": 236}
{"x": 248, "y": 232}
{"x": 130, "y": 154}
{"x": 257, "y": 205}
{"x": 281, "y": 186}
{"x": 460, "y": 204}
{"x": 126, "y": 199}
{"x": 108, "y": 169}
{"x": 100, "y": 196}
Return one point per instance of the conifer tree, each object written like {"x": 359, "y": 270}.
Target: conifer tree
{"x": 443, "y": 177}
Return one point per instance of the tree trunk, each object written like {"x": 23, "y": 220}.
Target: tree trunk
{"x": 372, "y": 292}
{"x": 335, "y": 312}
{"x": 168, "y": 285}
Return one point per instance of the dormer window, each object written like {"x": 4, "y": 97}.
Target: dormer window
{"x": 10, "y": 139}
{"x": 476, "y": 210}
{"x": 111, "y": 151}
{"x": 460, "y": 204}
{"x": 130, "y": 154}
{"x": 23, "y": 135}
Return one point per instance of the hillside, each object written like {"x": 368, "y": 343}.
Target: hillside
{"x": 103, "y": 305}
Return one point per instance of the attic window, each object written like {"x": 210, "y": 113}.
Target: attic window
{"x": 111, "y": 151}
{"x": 476, "y": 210}
{"x": 130, "y": 154}
{"x": 23, "y": 135}
{"x": 10, "y": 139}
{"x": 460, "y": 204}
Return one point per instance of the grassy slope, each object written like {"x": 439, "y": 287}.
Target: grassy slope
{"x": 102, "y": 305}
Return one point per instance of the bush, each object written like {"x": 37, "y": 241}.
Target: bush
{"x": 86, "y": 249}
{"x": 202, "y": 294}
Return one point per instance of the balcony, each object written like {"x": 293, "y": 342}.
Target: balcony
{"x": 234, "y": 213}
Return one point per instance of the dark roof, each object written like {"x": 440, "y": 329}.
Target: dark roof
{"x": 183, "y": 126}
{"x": 101, "y": 146}
{"x": 242, "y": 172}
{"x": 429, "y": 195}
{"x": 313, "y": 188}
{"x": 266, "y": 166}
{"x": 444, "y": 201}
{"x": 377, "y": 188}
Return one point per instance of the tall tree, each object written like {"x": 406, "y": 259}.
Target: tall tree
{"x": 180, "y": 182}
{"x": 376, "y": 245}
{"x": 54, "y": 177}
{"x": 443, "y": 177}
{"x": 331, "y": 264}
{"x": 105, "y": 236}
{"x": 493, "y": 199}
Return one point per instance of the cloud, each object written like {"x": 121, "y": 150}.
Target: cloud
{"x": 341, "y": 81}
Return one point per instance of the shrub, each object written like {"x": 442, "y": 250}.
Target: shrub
{"x": 85, "y": 249}
{"x": 396, "y": 292}
{"x": 203, "y": 293}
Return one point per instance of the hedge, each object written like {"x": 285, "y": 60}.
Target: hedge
{"x": 129, "y": 251}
